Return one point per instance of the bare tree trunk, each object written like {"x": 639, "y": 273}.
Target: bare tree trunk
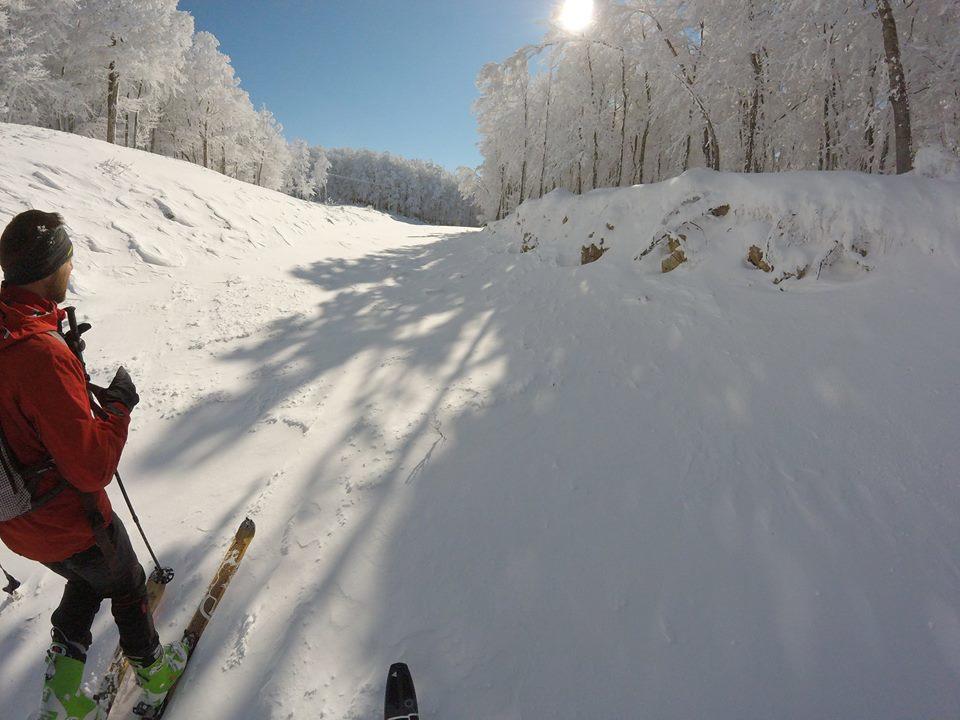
{"x": 501, "y": 210}
{"x": 836, "y": 91}
{"x": 596, "y": 159}
{"x": 898, "y": 88}
{"x": 580, "y": 155}
{"x": 526, "y": 142}
{"x": 593, "y": 103}
{"x": 638, "y": 172}
{"x": 546, "y": 131}
{"x": 757, "y": 64}
{"x": 826, "y": 160}
{"x": 707, "y": 147}
{"x": 126, "y": 127}
{"x": 711, "y": 131}
{"x": 113, "y": 94}
{"x": 136, "y": 116}
{"x": 623, "y": 120}
{"x": 643, "y": 151}
{"x": 869, "y": 133}
{"x": 714, "y": 163}
{"x": 956, "y": 122}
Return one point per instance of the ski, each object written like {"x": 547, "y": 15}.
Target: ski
{"x": 201, "y": 617}
{"x": 400, "y": 702}
{"x": 117, "y": 669}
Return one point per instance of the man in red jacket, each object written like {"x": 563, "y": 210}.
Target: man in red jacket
{"x": 48, "y": 420}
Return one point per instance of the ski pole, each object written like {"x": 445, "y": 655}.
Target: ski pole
{"x": 12, "y": 582}
{"x": 161, "y": 574}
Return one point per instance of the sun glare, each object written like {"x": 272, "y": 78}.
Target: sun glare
{"x": 576, "y": 15}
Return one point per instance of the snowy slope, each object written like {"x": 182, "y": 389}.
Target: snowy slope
{"x": 556, "y": 491}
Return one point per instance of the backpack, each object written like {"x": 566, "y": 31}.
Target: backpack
{"x": 18, "y": 484}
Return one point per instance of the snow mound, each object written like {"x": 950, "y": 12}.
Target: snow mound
{"x": 805, "y": 225}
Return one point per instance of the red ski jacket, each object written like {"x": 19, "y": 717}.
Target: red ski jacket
{"x": 45, "y": 412}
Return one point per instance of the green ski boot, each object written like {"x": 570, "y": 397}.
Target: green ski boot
{"x": 155, "y": 680}
{"x": 62, "y": 697}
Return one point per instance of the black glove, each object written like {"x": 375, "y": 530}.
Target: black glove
{"x": 74, "y": 341}
{"x": 121, "y": 390}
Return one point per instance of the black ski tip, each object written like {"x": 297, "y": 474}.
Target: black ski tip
{"x": 12, "y": 585}
{"x": 401, "y": 697}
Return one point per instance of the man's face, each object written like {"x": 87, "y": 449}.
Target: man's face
{"x": 59, "y": 282}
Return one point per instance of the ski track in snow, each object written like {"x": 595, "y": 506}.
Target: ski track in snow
{"x": 553, "y": 490}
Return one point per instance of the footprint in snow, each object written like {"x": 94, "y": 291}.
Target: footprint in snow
{"x": 242, "y": 642}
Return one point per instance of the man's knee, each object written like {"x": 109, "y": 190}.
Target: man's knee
{"x": 130, "y": 580}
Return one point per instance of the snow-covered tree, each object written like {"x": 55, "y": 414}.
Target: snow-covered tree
{"x": 195, "y": 121}
{"x": 270, "y": 152}
{"x": 413, "y": 188}
{"x": 119, "y": 48}
{"x": 135, "y": 73}
{"x": 22, "y": 75}
{"x": 652, "y": 89}
{"x": 31, "y": 83}
{"x": 299, "y": 179}
{"x": 320, "y": 169}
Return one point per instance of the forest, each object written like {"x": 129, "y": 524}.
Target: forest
{"x": 137, "y": 74}
{"x": 652, "y": 89}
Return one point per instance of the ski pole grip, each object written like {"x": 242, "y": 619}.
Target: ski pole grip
{"x": 72, "y": 322}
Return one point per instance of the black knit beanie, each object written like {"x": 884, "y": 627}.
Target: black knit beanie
{"x": 33, "y": 246}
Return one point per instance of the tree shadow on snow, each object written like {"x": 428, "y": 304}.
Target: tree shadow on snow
{"x": 428, "y": 308}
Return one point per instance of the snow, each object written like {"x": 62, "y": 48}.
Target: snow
{"x": 937, "y": 162}
{"x": 554, "y": 490}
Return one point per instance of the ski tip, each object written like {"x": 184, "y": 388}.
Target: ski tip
{"x": 247, "y": 528}
{"x": 401, "y": 698}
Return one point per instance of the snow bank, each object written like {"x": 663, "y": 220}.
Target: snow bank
{"x": 807, "y": 224}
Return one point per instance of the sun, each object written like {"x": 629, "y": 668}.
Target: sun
{"x": 576, "y": 15}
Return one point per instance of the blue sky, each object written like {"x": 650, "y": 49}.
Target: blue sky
{"x": 396, "y": 76}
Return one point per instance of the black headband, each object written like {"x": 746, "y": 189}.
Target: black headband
{"x": 40, "y": 257}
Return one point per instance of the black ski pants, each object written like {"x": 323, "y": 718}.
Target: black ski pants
{"x": 92, "y": 577}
